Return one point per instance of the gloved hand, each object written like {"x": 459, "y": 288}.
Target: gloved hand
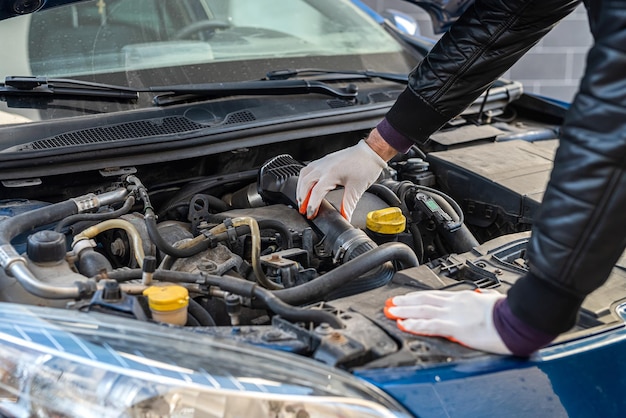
{"x": 355, "y": 168}
{"x": 465, "y": 317}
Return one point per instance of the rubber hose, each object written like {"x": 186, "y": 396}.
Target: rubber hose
{"x": 418, "y": 242}
{"x": 272, "y": 302}
{"x": 191, "y": 321}
{"x": 352, "y": 270}
{"x": 255, "y": 255}
{"x": 386, "y": 194}
{"x": 126, "y": 226}
{"x": 455, "y": 206}
{"x": 462, "y": 240}
{"x": 293, "y": 313}
{"x": 281, "y": 228}
{"x": 165, "y": 247}
{"x": 96, "y": 217}
{"x": 239, "y": 287}
{"x": 12, "y": 227}
{"x": 203, "y": 317}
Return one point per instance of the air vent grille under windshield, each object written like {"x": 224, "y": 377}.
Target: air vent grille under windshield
{"x": 338, "y": 103}
{"x": 129, "y": 130}
{"x": 240, "y": 117}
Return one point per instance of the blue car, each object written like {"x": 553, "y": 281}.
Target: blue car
{"x": 153, "y": 259}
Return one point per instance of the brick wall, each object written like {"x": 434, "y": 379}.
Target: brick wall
{"x": 552, "y": 68}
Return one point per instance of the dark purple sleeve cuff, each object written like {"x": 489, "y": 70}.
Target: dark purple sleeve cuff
{"x": 394, "y": 138}
{"x": 520, "y": 338}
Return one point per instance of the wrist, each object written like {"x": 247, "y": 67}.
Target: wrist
{"x": 377, "y": 143}
{"x": 520, "y": 338}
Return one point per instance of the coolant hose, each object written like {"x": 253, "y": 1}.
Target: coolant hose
{"x": 200, "y": 314}
{"x": 128, "y": 227}
{"x": 460, "y": 240}
{"x": 295, "y": 314}
{"x": 20, "y": 271}
{"x": 16, "y": 266}
{"x": 280, "y": 227}
{"x": 192, "y": 247}
{"x": 255, "y": 233}
{"x": 459, "y": 237}
{"x": 351, "y": 271}
{"x": 96, "y": 217}
{"x": 195, "y": 246}
{"x": 239, "y": 287}
{"x": 386, "y": 194}
{"x": 271, "y": 301}
{"x": 12, "y": 227}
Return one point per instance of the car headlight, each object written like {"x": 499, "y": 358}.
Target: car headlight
{"x": 70, "y": 364}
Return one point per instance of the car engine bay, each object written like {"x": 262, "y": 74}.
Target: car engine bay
{"x": 228, "y": 241}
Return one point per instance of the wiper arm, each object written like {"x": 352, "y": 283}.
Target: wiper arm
{"x": 252, "y": 88}
{"x": 335, "y": 74}
{"x": 43, "y": 86}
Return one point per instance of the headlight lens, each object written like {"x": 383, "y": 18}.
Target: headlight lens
{"x": 70, "y": 364}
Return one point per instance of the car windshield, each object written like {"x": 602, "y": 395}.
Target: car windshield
{"x": 147, "y": 43}
{"x": 99, "y": 36}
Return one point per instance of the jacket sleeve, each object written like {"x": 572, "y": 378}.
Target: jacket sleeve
{"x": 486, "y": 40}
{"x": 580, "y": 231}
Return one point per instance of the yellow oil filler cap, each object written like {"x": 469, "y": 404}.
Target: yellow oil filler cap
{"x": 387, "y": 221}
{"x": 168, "y": 303}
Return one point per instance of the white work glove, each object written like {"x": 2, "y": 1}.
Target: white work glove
{"x": 465, "y": 317}
{"x": 355, "y": 168}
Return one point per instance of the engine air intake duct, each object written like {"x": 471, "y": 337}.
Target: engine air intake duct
{"x": 277, "y": 182}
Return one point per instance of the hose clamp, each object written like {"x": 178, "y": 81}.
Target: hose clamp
{"x": 92, "y": 201}
{"x": 353, "y": 238}
{"x": 87, "y": 202}
{"x": 8, "y": 256}
{"x": 82, "y": 244}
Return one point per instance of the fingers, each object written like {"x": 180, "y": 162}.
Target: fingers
{"x": 305, "y": 203}
{"x": 432, "y": 297}
{"x": 306, "y": 181}
{"x": 315, "y": 197}
{"x": 351, "y": 196}
{"x": 416, "y": 312}
{"x": 428, "y": 328}
{"x": 311, "y": 189}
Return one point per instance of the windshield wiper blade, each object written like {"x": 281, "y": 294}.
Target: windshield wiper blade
{"x": 43, "y": 86}
{"x": 327, "y": 75}
{"x": 252, "y": 88}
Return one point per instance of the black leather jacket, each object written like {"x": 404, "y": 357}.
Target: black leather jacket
{"x": 580, "y": 231}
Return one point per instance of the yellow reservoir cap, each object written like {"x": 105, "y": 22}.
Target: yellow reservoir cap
{"x": 386, "y": 221}
{"x": 167, "y": 298}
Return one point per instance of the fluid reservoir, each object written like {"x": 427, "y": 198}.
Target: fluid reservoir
{"x": 46, "y": 247}
{"x": 168, "y": 303}
{"x": 384, "y": 225}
